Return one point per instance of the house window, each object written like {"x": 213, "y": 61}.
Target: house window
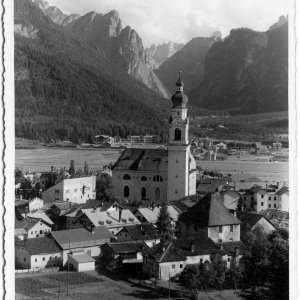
{"x": 126, "y": 177}
{"x": 177, "y": 134}
{"x": 43, "y": 258}
{"x": 24, "y": 259}
{"x": 126, "y": 191}
{"x": 173, "y": 266}
{"x": 274, "y": 205}
{"x": 31, "y": 232}
{"x": 275, "y": 198}
{"x": 228, "y": 259}
{"x": 262, "y": 204}
{"x": 231, "y": 228}
{"x": 35, "y": 260}
{"x": 269, "y": 205}
{"x": 41, "y": 231}
{"x": 220, "y": 229}
{"x": 181, "y": 266}
{"x": 269, "y": 198}
{"x": 262, "y": 196}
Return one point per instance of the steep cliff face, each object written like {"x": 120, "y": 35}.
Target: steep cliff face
{"x": 156, "y": 55}
{"x": 122, "y": 46}
{"x": 246, "y": 72}
{"x": 190, "y": 59}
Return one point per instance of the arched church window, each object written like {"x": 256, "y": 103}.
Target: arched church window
{"x": 143, "y": 193}
{"x": 157, "y": 194}
{"x": 143, "y": 178}
{"x": 126, "y": 177}
{"x": 157, "y": 178}
{"x": 177, "y": 135}
{"x": 126, "y": 191}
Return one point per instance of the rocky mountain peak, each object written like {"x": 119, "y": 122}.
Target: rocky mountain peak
{"x": 42, "y": 4}
{"x": 281, "y": 21}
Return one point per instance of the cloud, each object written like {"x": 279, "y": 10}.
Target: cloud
{"x": 159, "y": 21}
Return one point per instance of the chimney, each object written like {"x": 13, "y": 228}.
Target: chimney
{"x": 234, "y": 213}
{"x": 237, "y": 251}
{"x": 120, "y": 215}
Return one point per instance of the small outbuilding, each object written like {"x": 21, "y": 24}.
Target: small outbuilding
{"x": 81, "y": 262}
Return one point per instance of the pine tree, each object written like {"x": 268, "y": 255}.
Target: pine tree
{"x": 164, "y": 224}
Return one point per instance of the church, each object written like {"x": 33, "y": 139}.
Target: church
{"x": 158, "y": 175}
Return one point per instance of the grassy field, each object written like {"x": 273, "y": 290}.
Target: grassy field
{"x": 92, "y": 286}
{"x": 42, "y": 159}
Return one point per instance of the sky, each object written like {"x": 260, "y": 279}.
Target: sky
{"x": 161, "y": 21}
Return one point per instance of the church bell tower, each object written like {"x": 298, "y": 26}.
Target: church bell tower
{"x": 179, "y": 156}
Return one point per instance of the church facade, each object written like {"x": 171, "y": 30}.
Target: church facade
{"x": 158, "y": 175}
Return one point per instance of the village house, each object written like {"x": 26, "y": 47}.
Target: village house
{"x": 146, "y": 233}
{"x": 29, "y": 228}
{"x": 113, "y": 220}
{"x": 253, "y": 220}
{"x": 130, "y": 252}
{"x": 75, "y": 190}
{"x": 40, "y": 216}
{"x": 37, "y": 253}
{"x": 81, "y": 239}
{"x": 167, "y": 259}
{"x": 149, "y": 215}
{"x": 210, "y": 217}
{"x": 156, "y": 175}
{"x": 72, "y": 216}
{"x": 259, "y": 199}
{"x": 80, "y": 261}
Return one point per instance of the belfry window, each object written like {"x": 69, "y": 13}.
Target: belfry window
{"x": 157, "y": 178}
{"x": 126, "y": 191}
{"x": 177, "y": 134}
{"x": 126, "y": 177}
{"x": 157, "y": 194}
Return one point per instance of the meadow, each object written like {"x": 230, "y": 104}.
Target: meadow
{"x": 41, "y": 160}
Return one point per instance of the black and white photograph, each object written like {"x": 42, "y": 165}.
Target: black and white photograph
{"x": 150, "y": 149}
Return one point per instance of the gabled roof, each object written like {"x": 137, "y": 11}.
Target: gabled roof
{"x": 180, "y": 249}
{"x": 141, "y": 232}
{"x": 283, "y": 190}
{"x": 62, "y": 205}
{"x": 127, "y": 247}
{"x": 81, "y": 237}
{"x": 230, "y": 248}
{"x": 211, "y": 185}
{"x": 82, "y": 258}
{"x": 142, "y": 159}
{"x": 151, "y": 214}
{"x": 110, "y": 218}
{"x": 26, "y": 223}
{"x": 42, "y": 245}
{"x": 40, "y": 216}
{"x": 251, "y": 219}
{"x": 209, "y": 211}
{"x": 256, "y": 188}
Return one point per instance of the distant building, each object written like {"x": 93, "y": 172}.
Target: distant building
{"x": 104, "y": 139}
{"x": 35, "y": 204}
{"x": 76, "y": 190}
{"x": 80, "y": 261}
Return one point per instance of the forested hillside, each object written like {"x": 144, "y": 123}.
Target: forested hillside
{"x": 247, "y": 72}
{"x": 66, "y": 90}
